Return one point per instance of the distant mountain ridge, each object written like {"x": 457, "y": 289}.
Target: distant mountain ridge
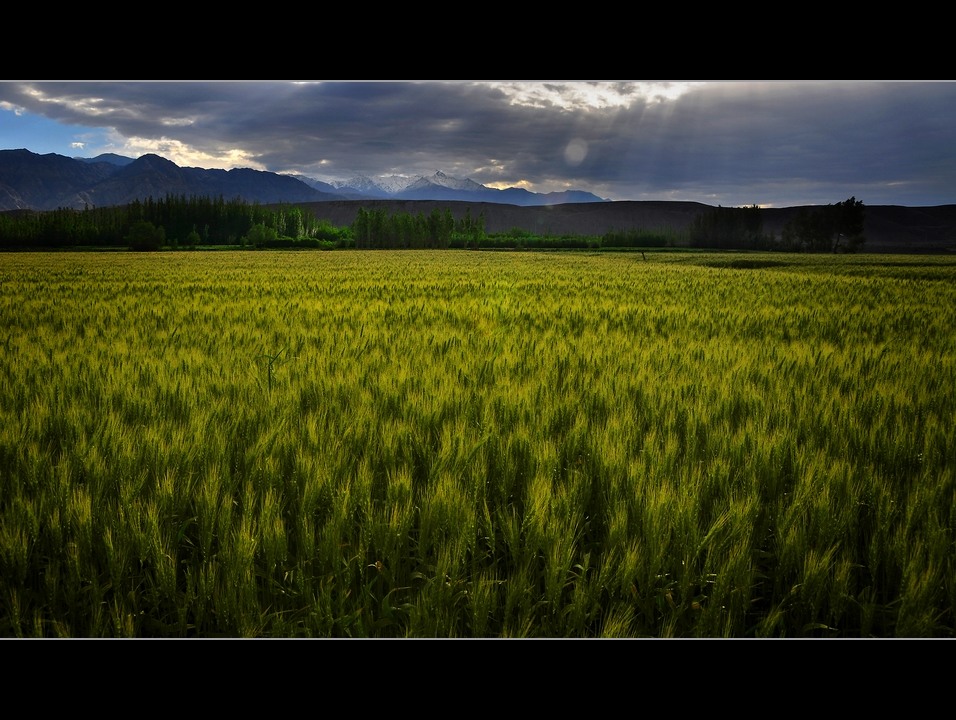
{"x": 444, "y": 187}
{"x": 30, "y": 181}
{"x": 108, "y": 157}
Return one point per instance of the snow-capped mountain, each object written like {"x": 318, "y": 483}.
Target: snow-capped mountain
{"x": 384, "y": 186}
{"x": 441, "y": 186}
{"x": 446, "y": 181}
{"x": 389, "y": 185}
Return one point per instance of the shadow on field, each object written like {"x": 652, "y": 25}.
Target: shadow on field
{"x": 742, "y": 263}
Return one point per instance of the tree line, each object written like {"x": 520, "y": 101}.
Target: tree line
{"x": 173, "y": 221}
{"x": 189, "y": 222}
{"x": 829, "y": 228}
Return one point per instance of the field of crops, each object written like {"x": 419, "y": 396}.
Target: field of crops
{"x": 477, "y": 444}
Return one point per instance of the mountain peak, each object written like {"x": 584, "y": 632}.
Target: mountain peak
{"x": 442, "y": 186}
{"x": 46, "y": 182}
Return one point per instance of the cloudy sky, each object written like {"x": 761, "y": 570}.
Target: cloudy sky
{"x": 774, "y": 143}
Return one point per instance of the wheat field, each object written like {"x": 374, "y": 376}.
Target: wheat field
{"x": 442, "y": 444}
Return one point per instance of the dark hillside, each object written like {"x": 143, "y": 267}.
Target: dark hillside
{"x": 888, "y": 228}
{"x": 564, "y": 219}
{"x": 919, "y": 229}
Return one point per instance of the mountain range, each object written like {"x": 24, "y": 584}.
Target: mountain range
{"x": 31, "y": 181}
